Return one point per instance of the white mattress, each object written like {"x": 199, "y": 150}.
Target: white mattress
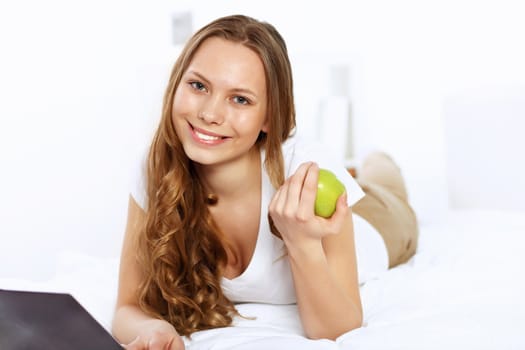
{"x": 463, "y": 290}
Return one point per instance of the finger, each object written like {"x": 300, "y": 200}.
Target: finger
{"x": 309, "y": 192}
{"x": 177, "y": 344}
{"x": 342, "y": 205}
{"x": 295, "y": 188}
{"x": 277, "y": 202}
{"x": 157, "y": 343}
{"x": 136, "y": 344}
{"x": 165, "y": 341}
{"x": 341, "y": 211}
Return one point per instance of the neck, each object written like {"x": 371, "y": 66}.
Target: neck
{"x": 231, "y": 180}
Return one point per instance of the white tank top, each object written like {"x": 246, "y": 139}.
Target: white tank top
{"x": 268, "y": 277}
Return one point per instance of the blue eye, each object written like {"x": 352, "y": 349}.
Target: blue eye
{"x": 198, "y": 85}
{"x": 241, "y": 100}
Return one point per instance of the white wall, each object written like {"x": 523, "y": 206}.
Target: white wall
{"x": 80, "y": 84}
{"x": 81, "y": 87}
{"x": 405, "y": 59}
{"x": 485, "y": 143}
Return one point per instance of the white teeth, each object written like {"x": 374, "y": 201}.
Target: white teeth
{"x": 206, "y": 137}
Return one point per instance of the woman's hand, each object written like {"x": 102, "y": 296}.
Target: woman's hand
{"x": 292, "y": 209}
{"x": 156, "y": 335}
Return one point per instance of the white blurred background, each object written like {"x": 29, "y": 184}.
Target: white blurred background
{"x": 440, "y": 85}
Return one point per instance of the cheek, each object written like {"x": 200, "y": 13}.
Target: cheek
{"x": 247, "y": 124}
{"x": 180, "y": 112}
{"x": 179, "y": 104}
{"x": 185, "y": 104}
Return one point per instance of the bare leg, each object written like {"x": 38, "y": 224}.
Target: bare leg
{"x": 378, "y": 168}
{"x": 385, "y": 206}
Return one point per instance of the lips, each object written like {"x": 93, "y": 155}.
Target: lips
{"x": 206, "y": 137}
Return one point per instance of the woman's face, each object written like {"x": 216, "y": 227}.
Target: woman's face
{"x": 220, "y": 105}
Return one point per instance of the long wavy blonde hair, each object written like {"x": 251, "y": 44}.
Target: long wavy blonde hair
{"x": 181, "y": 250}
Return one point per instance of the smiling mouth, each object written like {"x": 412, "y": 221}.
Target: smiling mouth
{"x": 205, "y": 136}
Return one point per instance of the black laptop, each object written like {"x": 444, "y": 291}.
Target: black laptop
{"x": 49, "y": 321}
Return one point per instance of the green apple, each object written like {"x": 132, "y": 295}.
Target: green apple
{"x": 329, "y": 188}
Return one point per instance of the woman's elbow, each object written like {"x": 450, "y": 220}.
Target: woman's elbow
{"x": 333, "y": 333}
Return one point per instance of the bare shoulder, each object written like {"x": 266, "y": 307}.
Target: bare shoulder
{"x": 129, "y": 272}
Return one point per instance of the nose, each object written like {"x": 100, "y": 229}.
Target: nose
{"x": 212, "y": 111}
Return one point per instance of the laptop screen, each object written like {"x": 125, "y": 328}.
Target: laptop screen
{"x": 49, "y": 321}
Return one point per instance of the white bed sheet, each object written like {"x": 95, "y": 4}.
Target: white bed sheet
{"x": 462, "y": 290}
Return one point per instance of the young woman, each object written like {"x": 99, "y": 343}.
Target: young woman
{"x": 226, "y": 205}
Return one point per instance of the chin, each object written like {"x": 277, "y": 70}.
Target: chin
{"x": 202, "y": 157}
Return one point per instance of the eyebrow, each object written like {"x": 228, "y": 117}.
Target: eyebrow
{"x": 237, "y": 90}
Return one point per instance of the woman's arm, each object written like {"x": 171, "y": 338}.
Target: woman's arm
{"x": 327, "y": 289}
{"x": 131, "y": 325}
{"x": 322, "y": 257}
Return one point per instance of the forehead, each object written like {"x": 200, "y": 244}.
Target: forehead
{"x": 224, "y": 61}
